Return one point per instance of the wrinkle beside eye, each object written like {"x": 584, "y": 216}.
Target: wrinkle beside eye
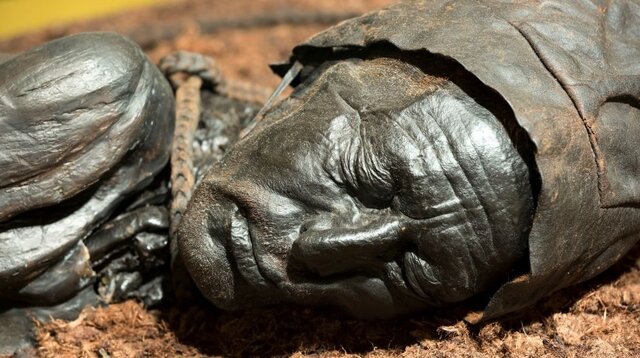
{"x": 363, "y": 170}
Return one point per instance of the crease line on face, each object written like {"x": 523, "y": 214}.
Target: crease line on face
{"x": 243, "y": 249}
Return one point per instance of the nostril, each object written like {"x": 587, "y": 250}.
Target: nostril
{"x": 303, "y": 228}
{"x": 316, "y": 223}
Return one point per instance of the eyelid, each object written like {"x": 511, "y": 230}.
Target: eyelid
{"x": 326, "y": 252}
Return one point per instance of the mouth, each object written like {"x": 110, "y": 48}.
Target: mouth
{"x": 218, "y": 251}
{"x": 400, "y": 275}
{"x": 241, "y": 246}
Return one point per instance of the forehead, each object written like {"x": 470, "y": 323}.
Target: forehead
{"x": 342, "y": 94}
{"x": 379, "y": 84}
{"x": 353, "y": 88}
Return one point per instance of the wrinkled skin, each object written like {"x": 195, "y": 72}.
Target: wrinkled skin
{"x": 374, "y": 187}
{"x": 568, "y": 72}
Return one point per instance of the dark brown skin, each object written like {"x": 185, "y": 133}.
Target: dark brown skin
{"x": 375, "y": 187}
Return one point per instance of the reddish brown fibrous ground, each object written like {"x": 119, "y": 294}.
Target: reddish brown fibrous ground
{"x": 600, "y": 318}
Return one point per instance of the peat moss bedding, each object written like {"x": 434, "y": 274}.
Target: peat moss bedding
{"x": 600, "y": 318}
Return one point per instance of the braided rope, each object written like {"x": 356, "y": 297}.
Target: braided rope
{"x": 182, "y": 177}
{"x": 211, "y": 74}
{"x": 189, "y": 72}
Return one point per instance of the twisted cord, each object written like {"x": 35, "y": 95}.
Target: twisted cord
{"x": 182, "y": 177}
{"x": 188, "y": 72}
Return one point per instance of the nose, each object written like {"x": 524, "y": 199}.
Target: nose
{"x": 365, "y": 247}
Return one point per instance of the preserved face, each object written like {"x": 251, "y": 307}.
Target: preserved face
{"x": 374, "y": 187}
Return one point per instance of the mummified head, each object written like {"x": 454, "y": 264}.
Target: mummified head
{"x": 375, "y": 187}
